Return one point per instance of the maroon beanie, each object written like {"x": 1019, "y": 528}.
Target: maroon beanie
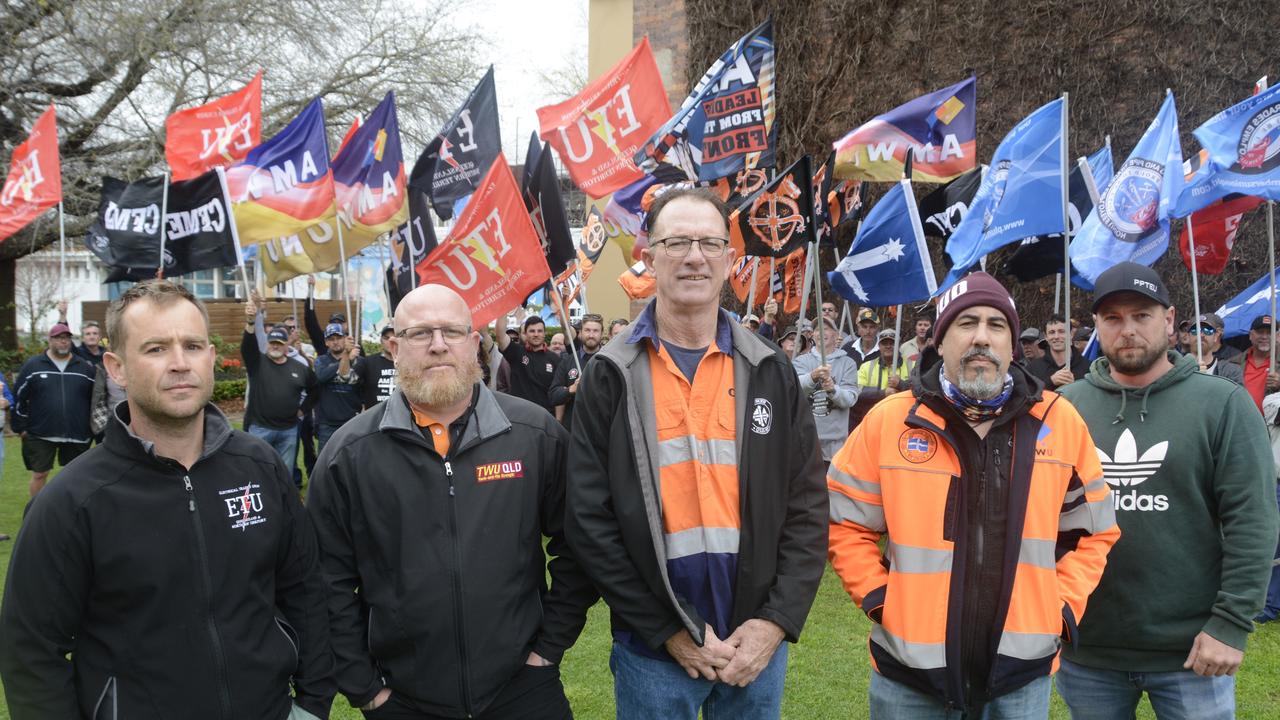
{"x": 973, "y": 289}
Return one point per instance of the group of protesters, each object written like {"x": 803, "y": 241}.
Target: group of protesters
{"x": 1008, "y": 516}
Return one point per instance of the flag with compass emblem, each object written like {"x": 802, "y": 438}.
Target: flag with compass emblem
{"x": 889, "y": 261}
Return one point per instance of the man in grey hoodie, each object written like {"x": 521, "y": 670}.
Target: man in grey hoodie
{"x": 832, "y": 388}
{"x": 1187, "y": 457}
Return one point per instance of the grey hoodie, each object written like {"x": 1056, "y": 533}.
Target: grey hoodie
{"x": 833, "y": 428}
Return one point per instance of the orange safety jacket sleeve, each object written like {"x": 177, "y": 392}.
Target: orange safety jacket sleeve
{"x": 1086, "y": 525}
{"x": 857, "y": 519}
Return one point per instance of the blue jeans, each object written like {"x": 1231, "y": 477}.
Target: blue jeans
{"x": 1271, "y": 610}
{"x": 645, "y": 688}
{"x": 323, "y": 433}
{"x": 1095, "y": 694}
{"x": 891, "y": 700}
{"x": 284, "y": 442}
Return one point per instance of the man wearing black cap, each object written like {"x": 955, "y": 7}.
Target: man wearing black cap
{"x": 379, "y": 379}
{"x": 339, "y": 374}
{"x": 1033, "y": 345}
{"x": 1255, "y": 364}
{"x": 277, "y": 387}
{"x": 1189, "y": 463}
{"x": 52, "y": 398}
{"x": 1215, "y": 358}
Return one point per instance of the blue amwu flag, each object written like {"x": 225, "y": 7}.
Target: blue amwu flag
{"x": 1243, "y": 143}
{"x": 1131, "y": 220}
{"x": 888, "y": 263}
{"x": 1020, "y": 196}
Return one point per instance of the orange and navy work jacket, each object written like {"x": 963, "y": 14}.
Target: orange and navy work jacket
{"x": 898, "y": 476}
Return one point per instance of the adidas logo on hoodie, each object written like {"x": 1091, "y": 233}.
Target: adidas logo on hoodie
{"x": 1127, "y": 469}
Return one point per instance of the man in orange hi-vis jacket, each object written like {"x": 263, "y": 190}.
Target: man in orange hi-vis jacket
{"x": 998, "y": 518}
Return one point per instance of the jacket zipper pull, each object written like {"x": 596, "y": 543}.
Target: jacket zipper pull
{"x": 191, "y": 501}
{"x": 448, "y": 471}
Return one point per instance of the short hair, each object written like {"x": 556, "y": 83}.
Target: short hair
{"x": 693, "y": 193}
{"x": 286, "y": 319}
{"x": 89, "y": 324}
{"x": 618, "y": 321}
{"x": 160, "y": 292}
{"x": 1055, "y": 319}
{"x": 532, "y": 320}
{"x": 592, "y": 317}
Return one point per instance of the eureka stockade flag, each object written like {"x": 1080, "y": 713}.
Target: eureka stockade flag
{"x": 597, "y": 131}
{"x": 888, "y": 263}
{"x": 939, "y": 129}
{"x": 215, "y": 134}
{"x": 727, "y": 123}
{"x": 460, "y": 154}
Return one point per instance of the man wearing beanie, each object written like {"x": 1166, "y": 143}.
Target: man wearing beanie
{"x": 999, "y": 523}
{"x": 1187, "y": 457}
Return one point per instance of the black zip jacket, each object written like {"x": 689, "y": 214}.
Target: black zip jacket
{"x": 54, "y": 404}
{"x": 614, "y": 520}
{"x": 178, "y": 593}
{"x": 566, "y": 375}
{"x": 435, "y": 566}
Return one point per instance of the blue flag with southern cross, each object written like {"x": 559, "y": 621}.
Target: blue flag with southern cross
{"x": 1131, "y": 220}
{"x": 1238, "y": 312}
{"x": 889, "y": 261}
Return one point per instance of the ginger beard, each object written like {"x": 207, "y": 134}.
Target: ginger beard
{"x": 436, "y": 381}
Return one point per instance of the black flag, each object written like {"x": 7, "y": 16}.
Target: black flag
{"x": 942, "y": 210}
{"x": 1041, "y": 255}
{"x": 198, "y": 227}
{"x": 778, "y": 219}
{"x": 458, "y": 157}
{"x": 546, "y": 208}
{"x": 410, "y": 244}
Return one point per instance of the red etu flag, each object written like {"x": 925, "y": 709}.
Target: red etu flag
{"x": 215, "y": 134}
{"x": 35, "y": 177}
{"x": 492, "y": 257}
{"x": 1215, "y": 228}
{"x": 598, "y": 131}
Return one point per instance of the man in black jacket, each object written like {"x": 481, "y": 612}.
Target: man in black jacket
{"x": 1061, "y": 364}
{"x": 53, "y": 396}
{"x": 564, "y": 384}
{"x": 697, "y": 502}
{"x": 431, "y": 509}
{"x": 174, "y": 563}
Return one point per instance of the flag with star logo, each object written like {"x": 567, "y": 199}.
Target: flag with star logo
{"x": 889, "y": 261}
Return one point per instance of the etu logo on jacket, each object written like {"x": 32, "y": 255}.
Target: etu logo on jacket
{"x": 1127, "y": 469}
{"x": 244, "y": 505}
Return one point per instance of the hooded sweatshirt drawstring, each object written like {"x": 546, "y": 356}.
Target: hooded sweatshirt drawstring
{"x": 1142, "y": 414}
{"x": 1124, "y": 398}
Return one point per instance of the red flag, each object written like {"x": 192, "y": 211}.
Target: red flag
{"x": 599, "y": 130}
{"x": 1215, "y": 228}
{"x": 351, "y": 131}
{"x": 35, "y": 177}
{"x": 215, "y": 134}
{"x": 492, "y": 257}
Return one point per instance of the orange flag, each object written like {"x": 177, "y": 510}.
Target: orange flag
{"x": 492, "y": 257}
{"x": 215, "y": 134}
{"x": 35, "y": 177}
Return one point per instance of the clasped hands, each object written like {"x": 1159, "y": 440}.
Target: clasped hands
{"x": 737, "y": 660}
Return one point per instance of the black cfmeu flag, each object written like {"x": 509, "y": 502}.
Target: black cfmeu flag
{"x": 546, "y": 208}
{"x": 1041, "y": 255}
{"x": 942, "y": 210}
{"x": 462, "y": 152}
{"x": 778, "y": 219}
{"x": 198, "y": 230}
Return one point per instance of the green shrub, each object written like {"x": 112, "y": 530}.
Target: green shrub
{"x": 228, "y": 390}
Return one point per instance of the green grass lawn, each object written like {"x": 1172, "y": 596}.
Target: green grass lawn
{"x": 829, "y": 669}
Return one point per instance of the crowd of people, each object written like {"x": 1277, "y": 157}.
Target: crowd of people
{"x": 1009, "y": 516}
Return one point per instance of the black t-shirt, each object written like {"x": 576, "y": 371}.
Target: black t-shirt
{"x": 83, "y": 352}
{"x": 686, "y": 359}
{"x": 275, "y": 393}
{"x": 378, "y": 381}
{"x": 531, "y": 373}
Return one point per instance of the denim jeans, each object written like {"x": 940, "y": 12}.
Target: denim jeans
{"x": 645, "y": 688}
{"x": 1096, "y": 694}
{"x": 284, "y": 442}
{"x": 891, "y": 700}
{"x": 1271, "y": 611}
{"x": 323, "y": 433}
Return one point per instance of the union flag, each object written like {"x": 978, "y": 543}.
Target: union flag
{"x": 35, "y": 177}
{"x": 215, "y": 134}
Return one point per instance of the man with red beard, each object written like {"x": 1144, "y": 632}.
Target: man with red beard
{"x": 431, "y": 510}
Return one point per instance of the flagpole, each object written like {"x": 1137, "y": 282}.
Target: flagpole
{"x": 1271, "y": 247}
{"x": 342, "y": 252}
{"x": 1066, "y": 233}
{"x": 751, "y": 289}
{"x": 897, "y": 341}
{"x": 817, "y": 301}
{"x": 1195, "y": 286}
{"x": 1057, "y": 293}
{"x": 804, "y": 300}
{"x": 582, "y": 285}
{"x": 564, "y": 323}
{"x": 413, "y": 261}
{"x": 235, "y": 234}
{"x": 164, "y": 223}
{"x": 62, "y": 253}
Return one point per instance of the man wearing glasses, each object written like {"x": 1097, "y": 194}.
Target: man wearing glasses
{"x": 697, "y": 502}
{"x": 1215, "y": 359}
{"x": 431, "y": 509}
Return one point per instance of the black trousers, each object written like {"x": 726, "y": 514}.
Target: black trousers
{"x": 534, "y": 693}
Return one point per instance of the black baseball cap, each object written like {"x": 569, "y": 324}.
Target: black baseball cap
{"x": 1262, "y": 321}
{"x": 278, "y": 334}
{"x": 337, "y": 318}
{"x": 388, "y": 330}
{"x": 1130, "y": 277}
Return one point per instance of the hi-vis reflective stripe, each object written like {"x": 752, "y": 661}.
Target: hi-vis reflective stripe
{"x": 1091, "y": 517}
{"x": 846, "y": 509}
{"x": 699, "y": 540}
{"x": 916, "y": 560}
{"x": 686, "y": 448}
{"x": 924, "y": 656}
{"x": 1041, "y": 553}
{"x": 845, "y": 478}
{"x": 1028, "y": 646}
{"x": 1093, "y": 487}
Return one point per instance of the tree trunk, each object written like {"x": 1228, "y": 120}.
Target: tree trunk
{"x": 8, "y": 308}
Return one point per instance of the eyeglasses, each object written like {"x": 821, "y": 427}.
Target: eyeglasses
{"x": 424, "y": 335}
{"x": 290, "y": 328}
{"x": 1203, "y": 330}
{"x": 678, "y": 247}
